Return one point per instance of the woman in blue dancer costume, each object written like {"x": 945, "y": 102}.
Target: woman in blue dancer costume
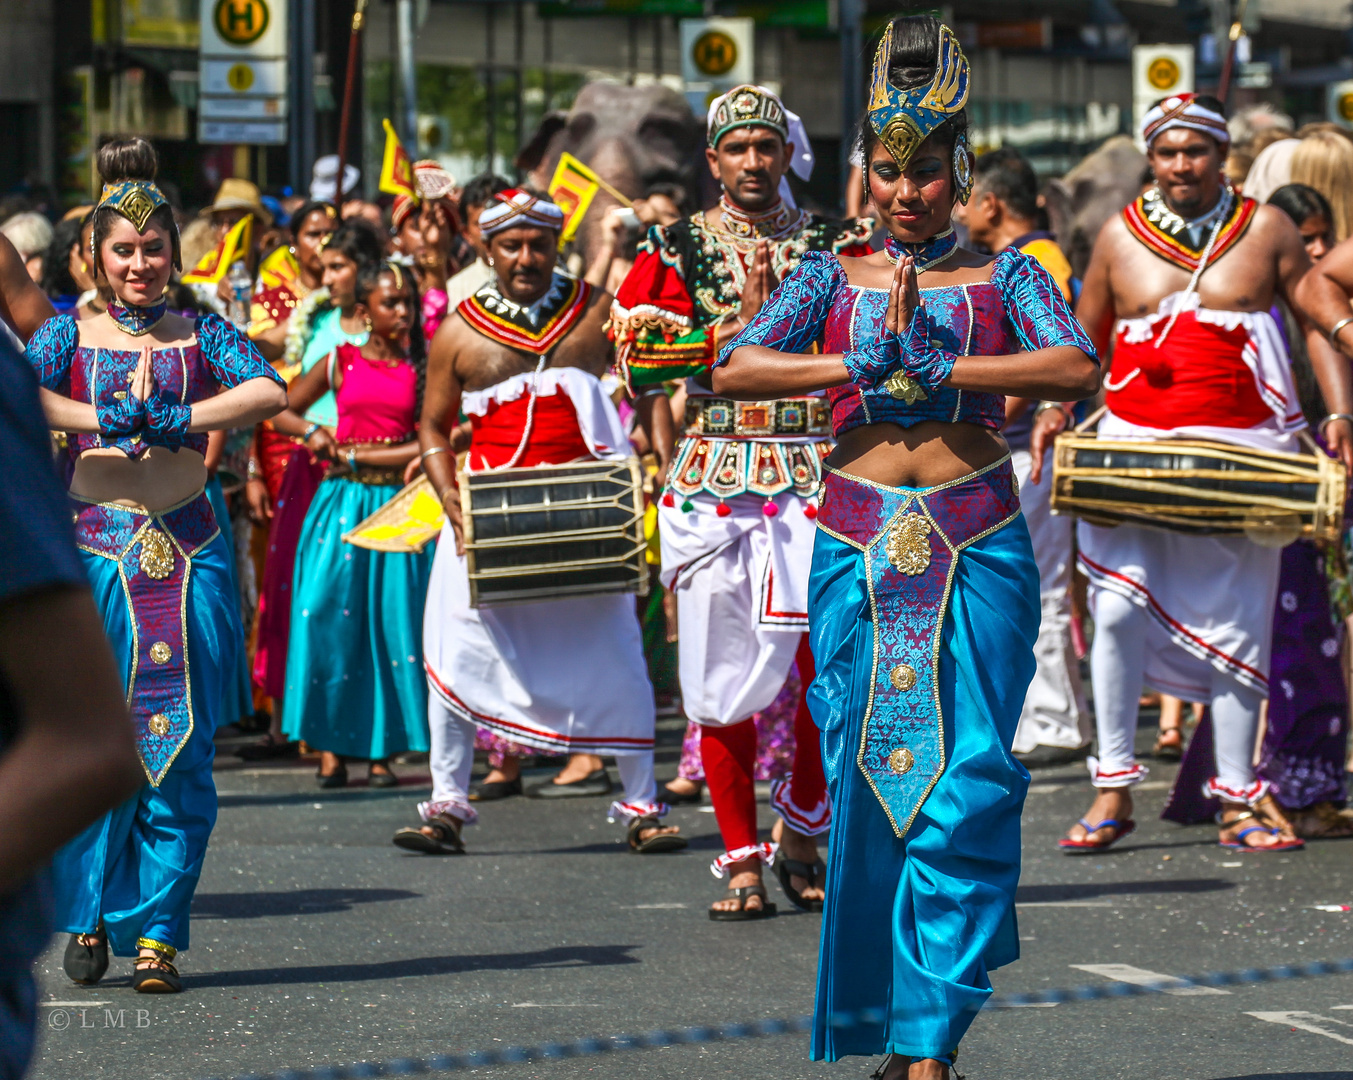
{"x": 355, "y": 687}
{"x": 923, "y": 600}
{"x": 136, "y": 390}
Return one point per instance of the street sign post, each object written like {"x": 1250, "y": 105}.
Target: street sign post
{"x": 716, "y": 55}
{"x": 1339, "y": 97}
{"x": 242, "y": 72}
{"x": 1158, "y": 71}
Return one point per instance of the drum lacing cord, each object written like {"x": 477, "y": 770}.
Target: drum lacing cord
{"x": 1193, "y": 281}
{"x": 530, "y": 414}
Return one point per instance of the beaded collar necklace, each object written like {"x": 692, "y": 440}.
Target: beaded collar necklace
{"x": 927, "y": 253}
{"x": 746, "y": 225}
{"x": 137, "y": 320}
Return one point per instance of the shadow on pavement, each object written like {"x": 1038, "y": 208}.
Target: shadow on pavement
{"x": 258, "y": 905}
{"x": 1032, "y": 894}
{"x": 562, "y": 957}
{"x": 333, "y": 795}
{"x": 1291, "y": 1076}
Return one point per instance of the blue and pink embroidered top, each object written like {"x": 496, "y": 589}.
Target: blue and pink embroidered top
{"x": 219, "y": 358}
{"x": 1020, "y": 309}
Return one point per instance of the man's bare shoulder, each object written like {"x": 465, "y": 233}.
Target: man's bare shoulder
{"x": 1114, "y": 234}
{"x": 1273, "y": 226}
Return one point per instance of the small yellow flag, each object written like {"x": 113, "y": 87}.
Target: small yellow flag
{"x": 396, "y": 166}
{"x": 214, "y": 265}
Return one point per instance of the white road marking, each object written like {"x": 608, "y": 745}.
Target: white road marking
{"x": 1305, "y": 1021}
{"x": 1336, "y": 1008}
{"x": 1331, "y": 907}
{"x": 1141, "y": 977}
{"x": 73, "y": 1004}
{"x": 557, "y": 1005}
{"x": 1065, "y": 903}
{"x": 1232, "y": 865}
{"x": 1022, "y": 1005}
{"x": 654, "y": 907}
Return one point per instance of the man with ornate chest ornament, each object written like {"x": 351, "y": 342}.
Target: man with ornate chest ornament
{"x": 521, "y": 358}
{"x": 1181, "y": 285}
{"x": 736, "y": 520}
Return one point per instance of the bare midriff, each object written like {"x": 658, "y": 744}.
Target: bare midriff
{"x": 158, "y": 479}
{"x": 924, "y": 455}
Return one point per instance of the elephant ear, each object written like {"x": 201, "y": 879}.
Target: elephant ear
{"x": 530, "y": 156}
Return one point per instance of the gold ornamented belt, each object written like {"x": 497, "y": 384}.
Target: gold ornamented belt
{"x": 374, "y": 476}
{"x": 728, "y": 419}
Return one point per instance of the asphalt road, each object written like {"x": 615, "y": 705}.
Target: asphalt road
{"x": 316, "y": 941}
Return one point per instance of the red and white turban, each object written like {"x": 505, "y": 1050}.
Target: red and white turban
{"x": 514, "y": 208}
{"x": 1184, "y": 111}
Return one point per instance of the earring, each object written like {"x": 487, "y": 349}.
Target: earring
{"x": 369, "y": 325}
{"x": 962, "y": 169}
{"x": 490, "y": 260}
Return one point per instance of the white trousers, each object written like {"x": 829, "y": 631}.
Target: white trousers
{"x": 452, "y": 756}
{"x": 1055, "y": 712}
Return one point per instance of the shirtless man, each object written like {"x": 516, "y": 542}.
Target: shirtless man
{"x": 521, "y": 358}
{"x": 1170, "y": 282}
{"x": 23, "y": 306}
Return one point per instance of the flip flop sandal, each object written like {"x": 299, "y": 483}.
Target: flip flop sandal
{"x": 1172, "y": 750}
{"x": 86, "y": 964}
{"x": 785, "y": 869}
{"x": 1238, "y": 842}
{"x": 654, "y": 845}
{"x": 493, "y": 790}
{"x": 446, "y": 840}
{"x": 1088, "y": 846}
{"x": 680, "y": 798}
{"x": 766, "y": 911}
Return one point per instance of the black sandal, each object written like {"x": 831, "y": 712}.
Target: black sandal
{"x": 656, "y": 844}
{"x": 681, "y": 798}
{"x": 785, "y": 869}
{"x": 766, "y": 911}
{"x": 86, "y": 964}
{"x": 336, "y": 779}
{"x": 444, "y": 841}
{"x": 384, "y": 779}
{"x": 159, "y": 976}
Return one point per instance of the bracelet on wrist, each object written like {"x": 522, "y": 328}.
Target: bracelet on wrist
{"x": 1046, "y": 406}
{"x": 433, "y": 450}
{"x": 1331, "y": 418}
{"x": 351, "y": 458}
{"x": 253, "y": 472}
{"x": 310, "y": 431}
{"x": 1333, "y": 335}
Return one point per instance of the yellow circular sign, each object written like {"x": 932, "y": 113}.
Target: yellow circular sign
{"x": 1162, "y": 73}
{"x": 240, "y": 77}
{"x": 1345, "y": 106}
{"x": 714, "y": 53}
{"x": 241, "y": 22}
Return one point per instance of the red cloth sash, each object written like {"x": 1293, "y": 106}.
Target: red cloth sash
{"x": 1197, "y": 378}
{"x": 555, "y": 434}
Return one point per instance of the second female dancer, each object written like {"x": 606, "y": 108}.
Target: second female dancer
{"x": 923, "y": 603}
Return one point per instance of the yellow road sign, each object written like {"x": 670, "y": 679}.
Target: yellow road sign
{"x": 240, "y": 77}
{"x": 241, "y": 22}
{"x": 1163, "y": 73}
{"x": 715, "y": 53}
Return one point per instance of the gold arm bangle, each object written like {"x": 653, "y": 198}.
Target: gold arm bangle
{"x": 433, "y": 450}
{"x": 1334, "y": 330}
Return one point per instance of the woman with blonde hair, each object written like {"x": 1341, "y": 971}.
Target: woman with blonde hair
{"x": 1324, "y": 161}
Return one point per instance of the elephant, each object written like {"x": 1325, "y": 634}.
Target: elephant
{"x": 1098, "y": 187}
{"x": 636, "y": 138}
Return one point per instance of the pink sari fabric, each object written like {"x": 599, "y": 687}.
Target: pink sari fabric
{"x": 774, "y": 737}
{"x": 300, "y": 481}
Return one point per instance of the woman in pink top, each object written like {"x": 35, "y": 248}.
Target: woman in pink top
{"x": 354, "y": 686}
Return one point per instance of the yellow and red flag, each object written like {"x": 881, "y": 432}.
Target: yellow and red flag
{"x": 214, "y": 265}
{"x": 279, "y": 268}
{"x": 396, "y": 166}
{"x": 573, "y": 187}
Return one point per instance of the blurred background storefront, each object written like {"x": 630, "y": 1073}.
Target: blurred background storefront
{"x": 1050, "y": 76}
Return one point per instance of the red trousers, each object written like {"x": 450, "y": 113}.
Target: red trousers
{"x": 729, "y": 757}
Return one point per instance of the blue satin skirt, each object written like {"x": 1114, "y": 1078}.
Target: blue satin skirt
{"x": 355, "y": 684}
{"x": 239, "y": 693}
{"x": 136, "y": 868}
{"x": 912, "y": 926}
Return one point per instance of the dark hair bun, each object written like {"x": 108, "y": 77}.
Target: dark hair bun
{"x": 127, "y": 159}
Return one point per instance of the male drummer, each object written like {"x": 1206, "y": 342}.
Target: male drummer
{"x": 1182, "y": 283}
{"x": 520, "y": 357}
{"x": 736, "y": 521}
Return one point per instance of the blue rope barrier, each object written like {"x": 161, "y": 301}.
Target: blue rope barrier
{"x": 596, "y": 1045}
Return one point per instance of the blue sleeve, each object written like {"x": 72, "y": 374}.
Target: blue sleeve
{"x": 51, "y": 351}
{"x": 796, "y": 313}
{"x": 37, "y": 546}
{"x": 232, "y": 357}
{"x": 1035, "y": 306}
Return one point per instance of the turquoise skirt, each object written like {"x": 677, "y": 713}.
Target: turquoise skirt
{"x": 355, "y": 685}
{"x": 913, "y": 923}
{"x": 135, "y": 869}
{"x": 239, "y": 693}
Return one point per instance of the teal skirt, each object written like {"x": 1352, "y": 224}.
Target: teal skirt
{"x": 913, "y": 924}
{"x": 355, "y": 685}
{"x": 238, "y": 700}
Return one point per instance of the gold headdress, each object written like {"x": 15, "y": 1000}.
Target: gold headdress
{"x": 136, "y": 200}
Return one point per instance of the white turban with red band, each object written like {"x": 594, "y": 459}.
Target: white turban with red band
{"x": 514, "y": 208}
{"x": 1184, "y": 111}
